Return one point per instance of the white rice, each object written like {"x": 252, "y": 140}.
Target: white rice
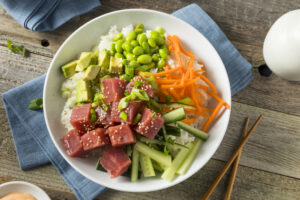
{"x": 69, "y": 85}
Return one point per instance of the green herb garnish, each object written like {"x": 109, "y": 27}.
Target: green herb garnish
{"x": 138, "y": 83}
{"x": 93, "y": 116}
{"x": 36, "y": 104}
{"x": 153, "y": 115}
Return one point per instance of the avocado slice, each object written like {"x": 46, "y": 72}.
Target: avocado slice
{"x": 103, "y": 60}
{"x": 83, "y": 91}
{"x": 84, "y": 61}
{"x": 91, "y": 72}
{"x": 115, "y": 65}
{"x": 69, "y": 69}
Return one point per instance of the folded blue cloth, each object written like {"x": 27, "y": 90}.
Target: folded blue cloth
{"x": 33, "y": 144}
{"x": 46, "y": 15}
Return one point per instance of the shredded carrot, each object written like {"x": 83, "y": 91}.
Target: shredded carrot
{"x": 183, "y": 81}
{"x": 189, "y": 121}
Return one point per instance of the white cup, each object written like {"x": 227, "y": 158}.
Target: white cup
{"x": 282, "y": 46}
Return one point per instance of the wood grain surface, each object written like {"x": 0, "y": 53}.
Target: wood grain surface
{"x": 270, "y": 162}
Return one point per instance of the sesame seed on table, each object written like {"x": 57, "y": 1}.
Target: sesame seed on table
{"x": 269, "y": 166}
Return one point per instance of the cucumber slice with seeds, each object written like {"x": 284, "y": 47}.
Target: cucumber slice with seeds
{"x": 146, "y": 165}
{"x": 196, "y": 132}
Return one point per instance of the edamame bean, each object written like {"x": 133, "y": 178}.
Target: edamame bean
{"x": 142, "y": 38}
{"x": 161, "y": 63}
{"x": 151, "y": 42}
{"x": 144, "y": 59}
{"x": 160, "y": 41}
{"x": 134, "y": 43}
{"x": 146, "y": 47}
{"x": 155, "y": 57}
{"x": 125, "y": 53}
{"x": 154, "y": 35}
{"x": 119, "y": 55}
{"x": 130, "y": 56}
{"x": 134, "y": 64}
{"x": 142, "y": 68}
{"x": 127, "y": 46}
{"x": 138, "y": 50}
{"x": 118, "y": 36}
{"x": 131, "y": 36}
{"x": 119, "y": 46}
{"x": 139, "y": 28}
{"x": 160, "y": 30}
{"x": 163, "y": 53}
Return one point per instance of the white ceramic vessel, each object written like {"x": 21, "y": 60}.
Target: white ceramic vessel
{"x": 20, "y": 186}
{"x": 282, "y": 46}
{"x": 87, "y": 36}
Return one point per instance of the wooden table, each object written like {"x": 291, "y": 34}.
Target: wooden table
{"x": 270, "y": 165}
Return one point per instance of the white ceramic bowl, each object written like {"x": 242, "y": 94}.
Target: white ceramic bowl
{"x": 87, "y": 36}
{"x": 20, "y": 186}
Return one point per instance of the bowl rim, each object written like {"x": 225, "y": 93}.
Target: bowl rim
{"x": 124, "y": 11}
{"x": 34, "y": 187}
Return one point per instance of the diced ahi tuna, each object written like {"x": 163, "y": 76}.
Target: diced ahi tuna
{"x": 150, "y": 123}
{"x": 132, "y": 109}
{"x": 121, "y": 135}
{"x": 145, "y": 86}
{"x": 73, "y": 144}
{"x": 115, "y": 161}
{"x": 80, "y": 117}
{"x": 104, "y": 117}
{"x": 113, "y": 89}
{"x": 95, "y": 138}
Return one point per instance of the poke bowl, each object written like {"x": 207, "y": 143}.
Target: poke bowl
{"x": 164, "y": 92}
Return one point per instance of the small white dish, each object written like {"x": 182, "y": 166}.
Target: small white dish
{"x": 88, "y": 35}
{"x": 21, "y": 186}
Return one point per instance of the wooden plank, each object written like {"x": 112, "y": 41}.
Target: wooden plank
{"x": 275, "y": 140}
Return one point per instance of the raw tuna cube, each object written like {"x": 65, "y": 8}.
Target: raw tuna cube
{"x": 121, "y": 135}
{"x": 150, "y": 123}
{"x": 145, "y": 86}
{"x": 104, "y": 117}
{"x": 113, "y": 89}
{"x": 73, "y": 144}
{"x": 115, "y": 161}
{"x": 80, "y": 117}
{"x": 95, "y": 138}
{"x": 131, "y": 111}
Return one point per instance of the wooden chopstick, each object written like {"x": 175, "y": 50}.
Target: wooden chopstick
{"x": 235, "y": 165}
{"x": 230, "y": 161}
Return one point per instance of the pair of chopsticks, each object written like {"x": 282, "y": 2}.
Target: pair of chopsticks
{"x": 235, "y": 157}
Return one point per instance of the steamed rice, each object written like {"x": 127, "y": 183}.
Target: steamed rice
{"x": 69, "y": 86}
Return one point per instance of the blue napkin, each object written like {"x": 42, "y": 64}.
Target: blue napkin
{"x": 46, "y": 15}
{"x": 33, "y": 144}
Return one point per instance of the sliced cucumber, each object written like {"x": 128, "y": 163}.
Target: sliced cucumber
{"x": 196, "y": 132}
{"x": 172, "y": 130}
{"x": 157, "y": 167}
{"x": 189, "y": 157}
{"x": 134, "y": 165}
{"x": 154, "y": 154}
{"x": 178, "y": 105}
{"x": 174, "y": 116}
{"x": 146, "y": 166}
{"x": 179, "y": 158}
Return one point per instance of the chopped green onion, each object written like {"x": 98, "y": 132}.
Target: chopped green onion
{"x": 124, "y": 102}
{"x": 126, "y": 93}
{"x": 93, "y": 116}
{"x": 153, "y": 115}
{"x": 167, "y": 98}
{"x": 137, "y": 118}
{"x": 148, "y": 76}
{"x": 185, "y": 100}
{"x": 123, "y": 116}
{"x": 16, "y": 49}
{"x": 36, "y": 104}
{"x": 138, "y": 83}
{"x": 141, "y": 94}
